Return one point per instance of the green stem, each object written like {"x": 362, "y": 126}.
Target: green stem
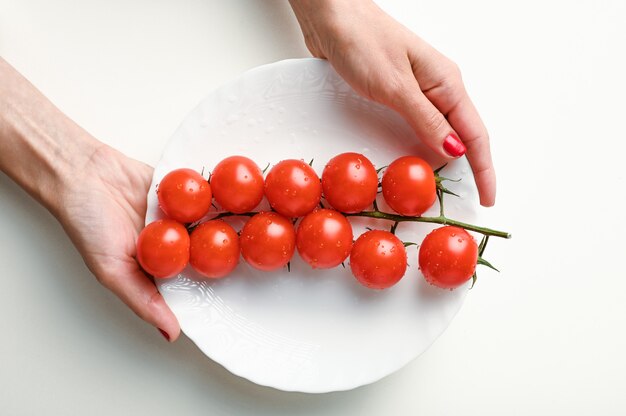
{"x": 436, "y": 220}
{"x": 232, "y": 214}
{"x": 400, "y": 218}
{"x": 440, "y": 198}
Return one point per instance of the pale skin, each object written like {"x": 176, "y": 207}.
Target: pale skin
{"x": 386, "y": 62}
{"x": 103, "y": 211}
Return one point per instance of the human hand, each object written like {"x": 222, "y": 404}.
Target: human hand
{"x": 97, "y": 194}
{"x": 103, "y": 213}
{"x": 384, "y": 61}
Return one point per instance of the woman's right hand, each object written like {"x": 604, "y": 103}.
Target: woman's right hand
{"x": 386, "y": 62}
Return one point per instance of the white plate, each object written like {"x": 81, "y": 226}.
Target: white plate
{"x": 306, "y": 330}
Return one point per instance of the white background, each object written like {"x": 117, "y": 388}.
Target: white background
{"x": 545, "y": 336}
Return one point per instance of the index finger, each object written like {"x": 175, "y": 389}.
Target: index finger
{"x": 465, "y": 120}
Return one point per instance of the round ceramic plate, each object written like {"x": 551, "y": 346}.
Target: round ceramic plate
{"x": 307, "y": 330}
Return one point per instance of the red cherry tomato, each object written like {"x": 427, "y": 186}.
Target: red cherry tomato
{"x": 184, "y": 195}
{"x": 324, "y": 238}
{"x": 378, "y": 259}
{"x": 237, "y": 184}
{"x": 214, "y": 249}
{"x": 409, "y": 186}
{"x": 448, "y": 256}
{"x": 268, "y": 241}
{"x": 163, "y": 248}
{"x": 350, "y": 182}
{"x": 293, "y": 188}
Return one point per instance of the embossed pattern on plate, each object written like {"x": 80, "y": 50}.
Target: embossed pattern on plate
{"x": 306, "y": 330}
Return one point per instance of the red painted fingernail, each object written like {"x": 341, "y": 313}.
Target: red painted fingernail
{"x": 165, "y": 334}
{"x": 453, "y": 146}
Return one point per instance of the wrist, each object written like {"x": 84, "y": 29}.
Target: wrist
{"x": 326, "y": 22}
{"x": 318, "y": 21}
{"x": 46, "y": 163}
{"x": 70, "y": 170}
{"x": 40, "y": 148}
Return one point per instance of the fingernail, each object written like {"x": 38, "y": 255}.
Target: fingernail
{"x": 453, "y": 146}
{"x": 165, "y": 334}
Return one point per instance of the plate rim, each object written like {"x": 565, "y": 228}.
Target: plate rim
{"x": 254, "y": 377}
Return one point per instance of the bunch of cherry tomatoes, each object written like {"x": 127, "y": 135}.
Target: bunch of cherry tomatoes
{"x": 323, "y": 237}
